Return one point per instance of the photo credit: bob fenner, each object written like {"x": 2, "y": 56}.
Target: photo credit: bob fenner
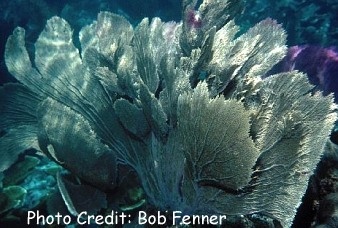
{"x": 83, "y": 218}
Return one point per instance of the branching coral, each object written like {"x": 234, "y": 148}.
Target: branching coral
{"x": 183, "y": 106}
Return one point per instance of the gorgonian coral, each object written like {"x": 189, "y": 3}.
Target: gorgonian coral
{"x": 320, "y": 64}
{"x": 187, "y": 109}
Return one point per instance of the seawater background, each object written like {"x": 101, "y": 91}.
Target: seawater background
{"x": 313, "y": 22}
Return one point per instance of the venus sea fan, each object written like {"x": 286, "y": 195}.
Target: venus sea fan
{"x": 230, "y": 142}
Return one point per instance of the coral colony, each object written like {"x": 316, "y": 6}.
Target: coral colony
{"x": 321, "y": 68}
{"x": 182, "y": 108}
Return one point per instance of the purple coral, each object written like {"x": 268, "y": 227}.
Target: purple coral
{"x": 320, "y": 64}
{"x": 194, "y": 19}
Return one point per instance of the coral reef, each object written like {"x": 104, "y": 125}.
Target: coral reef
{"x": 306, "y": 21}
{"x": 320, "y": 64}
{"x": 183, "y": 108}
{"x": 25, "y": 185}
{"x": 323, "y": 190}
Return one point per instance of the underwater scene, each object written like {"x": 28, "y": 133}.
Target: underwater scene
{"x": 169, "y": 113}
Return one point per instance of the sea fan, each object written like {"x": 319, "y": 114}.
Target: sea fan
{"x": 185, "y": 107}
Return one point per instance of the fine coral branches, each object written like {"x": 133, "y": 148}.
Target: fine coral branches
{"x": 185, "y": 107}
{"x": 208, "y": 128}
